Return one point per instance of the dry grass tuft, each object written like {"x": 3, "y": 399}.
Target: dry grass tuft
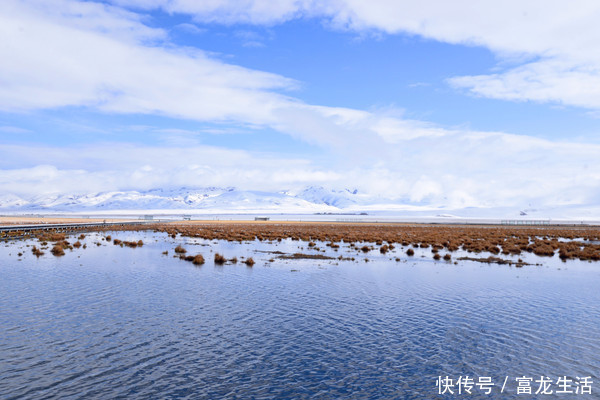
{"x": 180, "y": 250}
{"x": 219, "y": 259}
{"x": 198, "y": 260}
{"x": 57, "y": 250}
{"x": 37, "y": 252}
{"x": 249, "y": 262}
{"x": 52, "y": 237}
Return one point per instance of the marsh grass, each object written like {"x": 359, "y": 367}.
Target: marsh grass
{"x": 219, "y": 259}
{"x": 198, "y": 260}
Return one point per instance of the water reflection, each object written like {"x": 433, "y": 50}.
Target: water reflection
{"x": 112, "y": 322}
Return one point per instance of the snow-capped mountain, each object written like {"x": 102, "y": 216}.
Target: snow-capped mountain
{"x": 208, "y": 199}
{"x": 336, "y": 198}
{"x": 310, "y": 200}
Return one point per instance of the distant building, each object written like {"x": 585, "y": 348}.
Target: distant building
{"x": 148, "y": 217}
{"x": 261, "y": 218}
{"x": 187, "y": 217}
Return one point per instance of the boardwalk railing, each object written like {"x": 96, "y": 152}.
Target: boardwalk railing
{"x": 68, "y": 227}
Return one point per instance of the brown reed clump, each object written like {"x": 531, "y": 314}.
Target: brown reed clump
{"x": 52, "y": 237}
{"x": 108, "y": 238}
{"x": 180, "y": 250}
{"x": 365, "y": 249}
{"x": 384, "y": 249}
{"x": 233, "y": 260}
{"x": 64, "y": 244}
{"x": 140, "y": 243}
{"x": 198, "y": 260}
{"x": 116, "y": 242}
{"x": 437, "y": 256}
{"x": 447, "y": 257}
{"x": 410, "y": 252}
{"x": 37, "y": 252}
{"x": 249, "y": 262}
{"x": 81, "y": 237}
{"x": 219, "y": 259}
{"x": 77, "y": 244}
{"x": 57, "y": 250}
{"x": 543, "y": 249}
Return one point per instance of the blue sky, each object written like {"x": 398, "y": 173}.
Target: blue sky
{"x": 449, "y": 103}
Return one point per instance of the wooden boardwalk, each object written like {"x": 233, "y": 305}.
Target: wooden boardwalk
{"x": 69, "y": 226}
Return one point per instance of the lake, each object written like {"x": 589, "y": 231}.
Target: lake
{"x": 117, "y": 322}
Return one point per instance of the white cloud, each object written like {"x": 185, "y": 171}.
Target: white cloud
{"x": 51, "y": 57}
{"x": 543, "y": 81}
{"x": 54, "y": 59}
{"x": 458, "y": 169}
{"x": 116, "y": 166}
{"x": 561, "y": 38}
{"x": 229, "y": 11}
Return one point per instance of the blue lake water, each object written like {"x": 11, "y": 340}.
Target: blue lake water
{"x": 111, "y": 322}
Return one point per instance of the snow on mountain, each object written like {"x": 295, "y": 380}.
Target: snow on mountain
{"x": 311, "y": 200}
{"x": 12, "y": 201}
{"x": 335, "y": 198}
{"x": 212, "y": 198}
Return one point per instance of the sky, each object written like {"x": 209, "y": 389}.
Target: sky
{"x": 457, "y": 104}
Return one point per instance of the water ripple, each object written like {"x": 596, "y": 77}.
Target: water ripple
{"x": 123, "y": 323}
